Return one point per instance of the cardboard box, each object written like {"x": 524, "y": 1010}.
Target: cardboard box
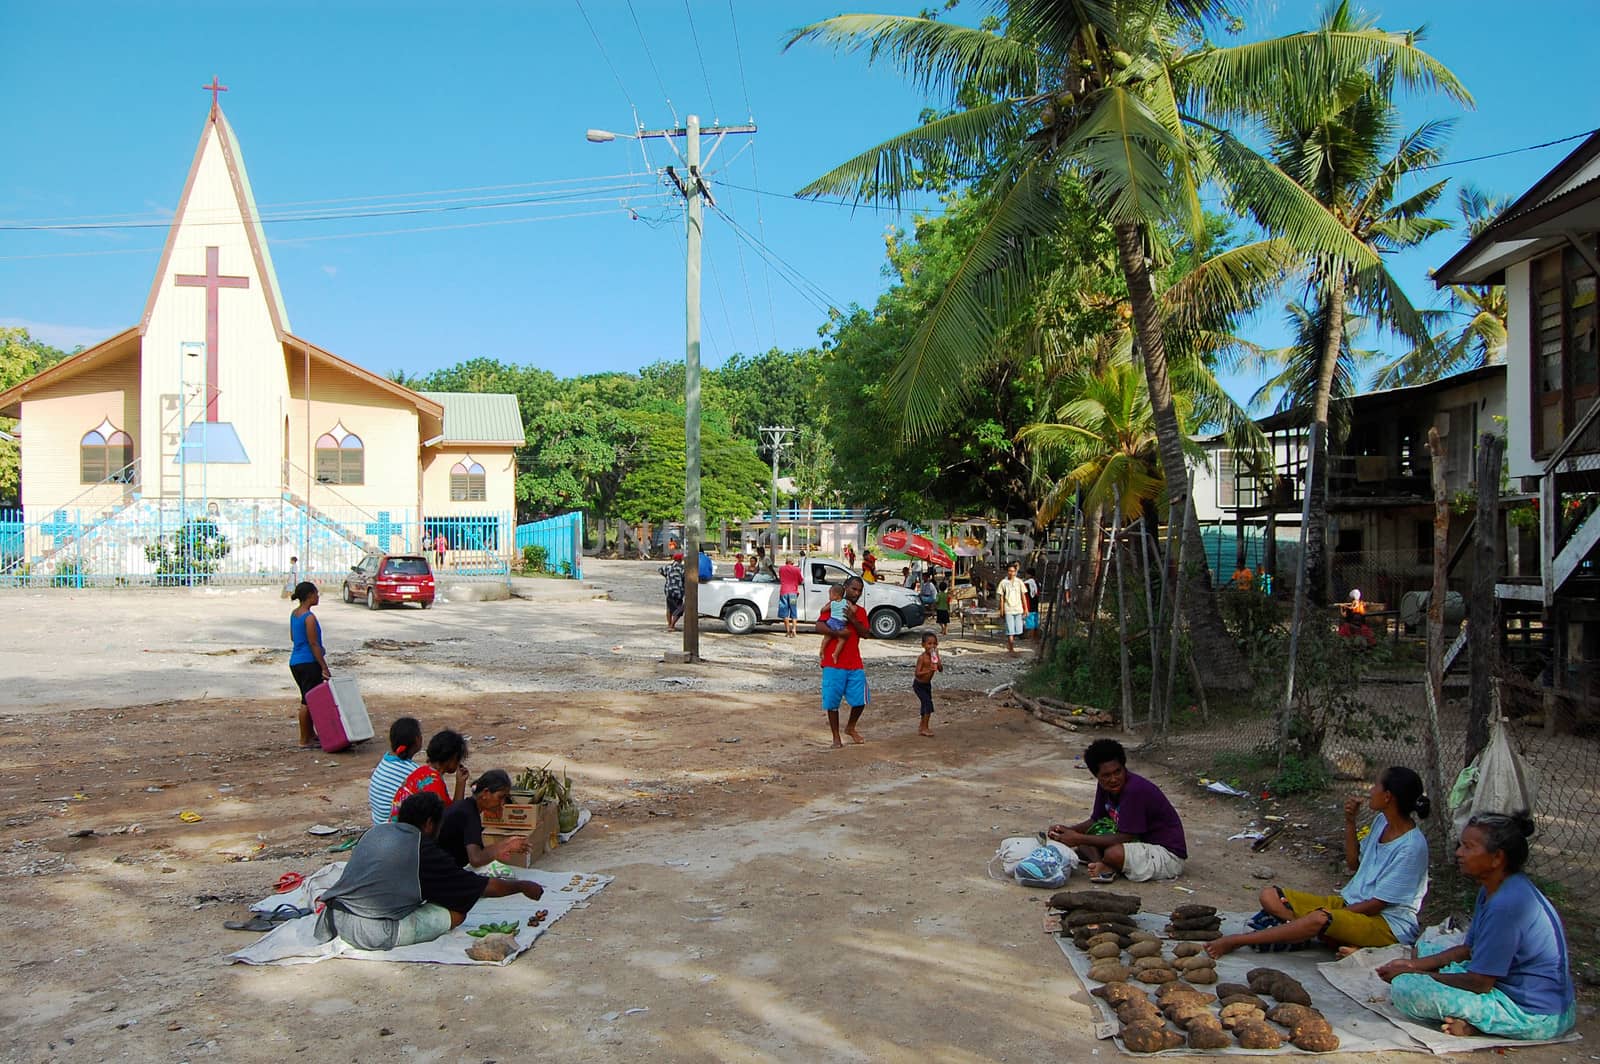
{"x": 539, "y": 824}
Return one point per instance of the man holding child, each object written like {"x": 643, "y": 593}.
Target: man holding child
{"x": 844, "y": 679}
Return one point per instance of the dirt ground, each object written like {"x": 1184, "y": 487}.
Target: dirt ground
{"x": 775, "y": 900}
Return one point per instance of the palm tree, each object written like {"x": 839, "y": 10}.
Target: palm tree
{"x": 1116, "y": 91}
{"x": 1474, "y": 318}
{"x": 1333, "y": 127}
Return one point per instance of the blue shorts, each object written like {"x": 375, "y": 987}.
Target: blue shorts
{"x": 786, "y": 608}
{"x": 1014, "y": 622}
{"x": 850, "y": 685}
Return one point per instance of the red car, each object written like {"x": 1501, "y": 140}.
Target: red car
{"x": 382, "y": 578}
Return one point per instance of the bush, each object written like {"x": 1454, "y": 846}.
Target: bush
{"x": 69, "y": 572}
{"x": 190, "y": 555}
{"x": 1256, "y": 769}
{"x": 534, "y": 558}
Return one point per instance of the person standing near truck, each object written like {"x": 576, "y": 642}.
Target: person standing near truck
{"x": 789, "y": 580}
{"x": 845, "y": 680}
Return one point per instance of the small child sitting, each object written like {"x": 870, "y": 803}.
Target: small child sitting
{"x": 738, "y": 566}
{"x": 837, "y": 616}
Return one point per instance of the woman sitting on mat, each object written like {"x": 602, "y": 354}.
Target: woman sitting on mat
{"x": 1378, "y": 907}
{"x": 1510, "y": 978}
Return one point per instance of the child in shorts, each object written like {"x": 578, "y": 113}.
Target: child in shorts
{"x": 837, "y": 616}
{"x": 922, "y": 683}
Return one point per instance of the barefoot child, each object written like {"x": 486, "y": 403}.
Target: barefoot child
{"x": 837, "y": 616}
{"x": 927, "y": 664}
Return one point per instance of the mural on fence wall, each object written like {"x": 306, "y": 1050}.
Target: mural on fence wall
{"x": 231, "y": 541}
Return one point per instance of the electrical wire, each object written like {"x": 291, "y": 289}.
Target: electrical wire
{"x": 369, "y": 198}
{"x": 744, "y": 86}
{"x": 807, "y": 289}
{"x": 704, "y": 75}
{"x": 568, "y": 196}
{"x": 603, "y": 55}
{"x": 625, "y": 205}
{"x": 852, "y": 204}
{"x": 716, "y": 284}
{"x": 651, "y": 57}
{"x": 1509, "y": 151}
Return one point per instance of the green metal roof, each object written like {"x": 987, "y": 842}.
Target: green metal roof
{"x": 474, "y": 417}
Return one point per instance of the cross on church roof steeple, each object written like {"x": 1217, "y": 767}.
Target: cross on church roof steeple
{"x": 214, "y": 88}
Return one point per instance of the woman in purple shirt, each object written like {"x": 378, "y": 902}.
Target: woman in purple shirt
{"x": 1132, "y": 828}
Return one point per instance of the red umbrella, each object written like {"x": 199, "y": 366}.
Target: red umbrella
{"x": 917, "y": 547}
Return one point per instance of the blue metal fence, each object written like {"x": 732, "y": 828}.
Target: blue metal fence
{"x": 562, "y": 540}
{"x": 156, "y": 543}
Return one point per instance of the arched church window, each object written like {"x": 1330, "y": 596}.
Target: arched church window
{"x": 105, "y": 454}
{"x": 341, "y": 457}
{"x": 468, "y": 482}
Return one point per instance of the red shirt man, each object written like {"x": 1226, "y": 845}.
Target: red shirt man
{"x": 845, "y": 679}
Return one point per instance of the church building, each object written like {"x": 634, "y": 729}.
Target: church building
{"x": 212, "y": 410}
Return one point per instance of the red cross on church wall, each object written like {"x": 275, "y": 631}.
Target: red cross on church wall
{"x": 212, "y": 282}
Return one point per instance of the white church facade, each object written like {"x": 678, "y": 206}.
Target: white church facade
{"x": 212, "y": 409}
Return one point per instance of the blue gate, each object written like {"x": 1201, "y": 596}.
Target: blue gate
{"x": 562, "y": 540}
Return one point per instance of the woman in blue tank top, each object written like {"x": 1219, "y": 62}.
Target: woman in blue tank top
{"x": 306, "y": 662}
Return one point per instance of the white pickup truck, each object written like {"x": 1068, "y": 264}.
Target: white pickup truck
{"x": 743, "y": 604}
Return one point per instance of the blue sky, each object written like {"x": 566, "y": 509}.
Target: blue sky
{"x": 358, "y": 100}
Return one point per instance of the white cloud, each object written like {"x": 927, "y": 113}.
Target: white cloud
{"x": 330, "y": 270}
{"x": 65, "y": 337}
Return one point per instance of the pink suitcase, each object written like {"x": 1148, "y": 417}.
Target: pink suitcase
{"x": 338, "y": 714}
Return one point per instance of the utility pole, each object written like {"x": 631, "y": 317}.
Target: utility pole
{"x": 694, "y": 190}
{"x": 776, "y": 437}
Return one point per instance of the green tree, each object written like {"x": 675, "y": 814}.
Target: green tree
{"x": 1471, "y": 327}
{"x": 1333, "y": 126}
{"x": 733, "y": 482}
{"x": 21, "y": 356}
{"x": 1123, "y": 93}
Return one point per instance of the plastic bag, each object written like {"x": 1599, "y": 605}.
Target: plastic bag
{"x": 1010, "y": 854}
{"x": 1497, "y": 781}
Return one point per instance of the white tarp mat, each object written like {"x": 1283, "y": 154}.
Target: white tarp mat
{"x": 1359, "y": 1030}
{"x": 1357, "y": 977}
{"x": 294, "y": 942}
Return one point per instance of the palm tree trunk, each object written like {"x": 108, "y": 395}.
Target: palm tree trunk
{"x": 1089, "y": 580}
{"x": 1318, "y": 571}
{"x": 1222, "y": 666}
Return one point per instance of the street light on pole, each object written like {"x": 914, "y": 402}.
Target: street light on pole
{"x": 694, "y": 190}
{"x": 776, "y": 437}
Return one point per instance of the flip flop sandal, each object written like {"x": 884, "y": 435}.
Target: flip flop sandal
{"x": 1263, "y": 920}
{"x": 1103, "y": 878}
{"x": 288, "y": 881}
{"x": 255, "y": 923}
{"x": 346, "y": 845}
{"x": 286, "y": 912}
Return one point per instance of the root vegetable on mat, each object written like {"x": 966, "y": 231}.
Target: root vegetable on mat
{"x": 1143, "y": 964}
{"x": 1275, "y": 984}
{"x": 1196, "y": 923}
{"x": 1148, "y": 1037}
{"x": 1193, "y": 961}
{"x": 1227, "y": 990}
{"x": 1208, "y": 1036}
{"x": 1155, "y": 976}
{"x": 1118, "y": 993}
{"x": 1173, "y": 991}
{"x": 1109, "y": 972}
{"x": 1314, "y": 1036}
{"x": 1138, "y": 1012}
{"x": 1102, "y": 938}
{"x": 1247, "y": 999}
{"x": 1185, "y": 912}
{"x": 1106, "y": 951}
{"x": 1194, "y": 936}
{"x": 1096, "y": 900}
{"x": 1233, "y": 1015}
{"x": 1203, "y": 976}
{"x": 1258, "y": 1034}
{"x": 1187, "y": 949}
{"x": 1144, "y": 936}
{"x": 1144, "y": 949}
{"x": 1290, "y": 1015}
{"x": 1091, "y": 917}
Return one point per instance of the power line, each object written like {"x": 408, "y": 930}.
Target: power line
{"x": 1510, "y": 151}
{"x": 706, "y": 77}
{"x": 744, "y": 86}
{"x": 352, "y": 236}
{"x": 372, "y": 197}
{"x": 569, "y": 196}
{"x": 603, "y": 55}
{"x": 807, "y": 289}
{"x": 651, "y": 57}
{"x": 766, "y": 271}
{"x": 852, "y": 204}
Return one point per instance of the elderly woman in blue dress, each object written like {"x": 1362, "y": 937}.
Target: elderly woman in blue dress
{"x": 1510, "y": 978}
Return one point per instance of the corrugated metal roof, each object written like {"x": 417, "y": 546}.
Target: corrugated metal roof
{"x": 476, "y": 417}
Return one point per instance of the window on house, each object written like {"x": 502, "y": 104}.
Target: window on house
{"x": 1227, "y": 480}
{"x": 341, "y": 458}
{"x": 105, "y": 453}
{"x": 1566, "y": 345}
{"x": 468, "y": 482}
